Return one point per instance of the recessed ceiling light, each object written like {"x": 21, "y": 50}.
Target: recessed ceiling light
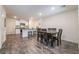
{"x": 40, "y": 14}
{"x": 14, "y": 16}
{"x": 52, "y": 8}
{"x": 3, "y": 15}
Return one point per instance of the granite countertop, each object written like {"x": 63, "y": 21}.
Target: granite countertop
{"x": 25, "y": 28}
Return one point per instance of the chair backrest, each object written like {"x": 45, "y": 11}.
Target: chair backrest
{"x": 29, "y": 33}
{"x": 38, "y": 29}
{"x": 52, "y": 29}
{"x": 43, "y": 33}
{"x": 44, "y": 29}
{"x": 59, "y": 34}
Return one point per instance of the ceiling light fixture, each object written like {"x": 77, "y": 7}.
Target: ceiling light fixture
{"x": 14, "y": 16}
{"x": 52, "y": 8}
{"x": 40, "y": 14}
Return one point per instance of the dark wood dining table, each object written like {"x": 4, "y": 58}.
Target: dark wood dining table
{"x": 49, "y": 35}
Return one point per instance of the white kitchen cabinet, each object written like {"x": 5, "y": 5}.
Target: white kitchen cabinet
{"x": 17, "y": 31}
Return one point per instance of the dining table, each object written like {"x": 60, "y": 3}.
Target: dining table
{"x": 48, "y": 35}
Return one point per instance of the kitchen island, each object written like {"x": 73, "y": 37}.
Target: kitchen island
{"x": 26, "y": 32}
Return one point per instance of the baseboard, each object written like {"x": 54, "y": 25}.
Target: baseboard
{"x": 70, "y": 41}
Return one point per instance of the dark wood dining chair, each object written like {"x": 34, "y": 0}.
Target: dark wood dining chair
{"x": 42, "y": 34}
{"x": 45, "y": 38}
{"x": 41, "y": 37}
{"x": 43, "y": 29}
{"x": 51, "y": 29}
{"x": 38, "y": 33}
{"x": 34, "y": 33}
{"x": 29, "y": 34}
{"x": 58, "y": 37}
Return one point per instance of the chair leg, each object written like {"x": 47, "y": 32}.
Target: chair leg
{"x": 60, "y": 41}
{"x": 41, "y": 40}
{"x": 52, "y": 43}
{"x": 37, "y": 38}
{"x": 47, "y": 41}
{"x": 57, "y": 42}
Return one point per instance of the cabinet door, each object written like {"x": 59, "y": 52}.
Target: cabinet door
{"x": 17, "y": 31}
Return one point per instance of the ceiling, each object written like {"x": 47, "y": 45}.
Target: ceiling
{"x": 38, "y": 11}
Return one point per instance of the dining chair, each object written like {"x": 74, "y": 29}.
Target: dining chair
{"x": 38, "y": 33}
{"x": 34, "y": 33}
{"x": 58, "y": 37}
{"x": 41, "y": 37}
{"x": 42, "y": 32}
{"x": 44, "y": 29}
{"x": 29, "y": 34}
{"x": 45, "y": 38}
{"x": 51, "y": 29}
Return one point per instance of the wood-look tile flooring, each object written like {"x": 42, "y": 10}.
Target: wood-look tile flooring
{"x": 16, "y": 45}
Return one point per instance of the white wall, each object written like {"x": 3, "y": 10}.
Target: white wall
{"x": 33, "y": 22}
{"x": 78, "y": 27}
{"x": 10, "y": 26}
{"x": 2, "y": 27}
{"x": 68, "y": 21}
